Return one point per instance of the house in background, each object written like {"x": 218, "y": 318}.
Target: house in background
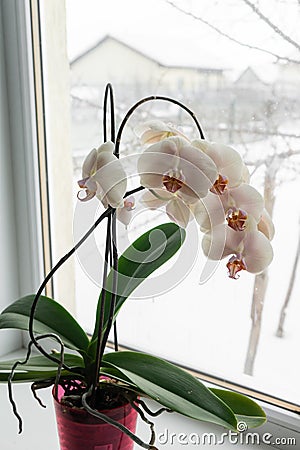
{"x": 224, "y": 106}
{"x": 132, "y": 71}
{"x": 134, "y": 75}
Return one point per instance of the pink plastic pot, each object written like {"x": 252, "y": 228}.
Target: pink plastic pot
{"x": 78, "y": 430}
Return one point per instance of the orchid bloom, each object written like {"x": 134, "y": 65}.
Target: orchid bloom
{"x": 265, "y": 225}
{"x": 249, "y": 250}
{"x": 236, "y": 207}
{"x": 231, "y": 168}
{"x": 176, "y": 167}
{"x": 124, "y": 213}
{"x": 103, "y": 176}
{"x": 177, "y": 210}
{"x": 154, "y": 131}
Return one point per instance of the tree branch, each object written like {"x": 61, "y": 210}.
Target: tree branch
{"x": 231, "y": 38}
{"x": 272, "y": 25}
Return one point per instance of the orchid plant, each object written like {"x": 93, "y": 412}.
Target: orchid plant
{"x": 188, "y": 179}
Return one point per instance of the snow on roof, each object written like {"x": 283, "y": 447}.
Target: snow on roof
{"x": 169, "y": 60}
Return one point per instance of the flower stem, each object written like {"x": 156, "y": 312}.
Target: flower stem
{"x": 96, "y": 366}
{"x": 114, "y": 286}
{"x": 151, "y": 98}
{"x": 35, "y": 342}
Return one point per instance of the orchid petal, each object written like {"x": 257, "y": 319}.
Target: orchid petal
{"x": 111, "y": 177}
{"x": 198, "y": 169}
{"x": 154, "y": 131}
{"x": 155, "y": 162}
{"x": 89, "y": 164}
{"x": 247, "y": 198}
{"x": 258, "y": 252}
{"x": 228, "y": 161}
{"x": 209, "y": 211}
{"x": 155, "y": 198}
{"x": 124, "y": 216}
{"x": 175, "y": 154}
{"x": 222, "y": 241}
{"x": 265, "y": 225}
{"x": 245, "y": 175}
{"x": 178, "y": 212}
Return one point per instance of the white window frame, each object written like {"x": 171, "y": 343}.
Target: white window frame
{"x": 21, "y": 143}
{"x": 24, "y": 241}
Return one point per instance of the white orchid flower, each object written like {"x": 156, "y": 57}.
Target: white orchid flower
{"x": 236, "y": 207}
{"x": 266, "y": 225}
{"x": 124, "y": 214}
{"x": 154, "y": 131}
{"x": 249, "y": 250}
{"x": 103, "y": 176}
{"x": 178, "y": 168}
{"x": 231, "y": 168}
{"x": 177, "y": 210}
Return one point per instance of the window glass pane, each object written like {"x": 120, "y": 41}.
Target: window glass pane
{"x": 243, "y": 86}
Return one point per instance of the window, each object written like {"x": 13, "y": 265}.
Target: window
{"x": 242, "y": 99}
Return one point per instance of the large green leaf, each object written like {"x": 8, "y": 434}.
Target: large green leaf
{"x": 149, "y": 252}
{"x": 50, "y": 317}
{"x": 31, "y": 376}
{"x": 172, "y": 387}
{"x": 39, "y": 368}
{"x": 245, "y": 409}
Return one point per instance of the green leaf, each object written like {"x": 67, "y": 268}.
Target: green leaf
{"x": 245, "y": 409}
{"x": 31, "y": 376}
{"x": 172, "y": 387}
{"x": 39, "y": 368}
{"x": 113, "y": 372}
{"x": 42, "y": 363}
{"x": 149, "y": 252}
{"x": 50, "y": 317}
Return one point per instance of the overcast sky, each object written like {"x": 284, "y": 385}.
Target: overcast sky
{"x": 159, "y": 30}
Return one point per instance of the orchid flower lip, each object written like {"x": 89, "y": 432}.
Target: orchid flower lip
{"x": 235, "y": 264}
{"x": 173, "y": 180}
{"x": 89, "y": 195}
{"x": 236, "y": 219}
{"x": 81, "y": 183}
{"x": 220, "y": 186}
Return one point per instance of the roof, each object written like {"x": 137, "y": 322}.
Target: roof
{"x": 111, "y": 38}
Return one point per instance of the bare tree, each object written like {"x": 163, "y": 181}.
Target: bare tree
{"x": 280, "y": 329}
{"x": 261, "y": 280}
{"x": 272, "y": 25}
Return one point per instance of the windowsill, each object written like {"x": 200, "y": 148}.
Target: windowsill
{"x": 40, "y": 426}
